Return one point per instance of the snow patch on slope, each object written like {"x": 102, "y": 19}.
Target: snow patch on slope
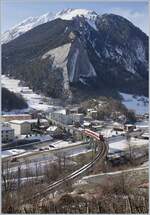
{"x": 129, "y": 65}
{"x": 91, "y": 22}
{"x": 140, "y": 52}
{"x": 25, "y": 26}
{"x": 34, "y": 100}
{"x": 139, "y": 104}
{"x": 119, "y": 51}
{"x": 69, "y": 14}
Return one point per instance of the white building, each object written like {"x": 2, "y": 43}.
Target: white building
{"x": 78, "y": 117}
{"x": 7, "y": 133}
{"x": 21, "y": 127}
{"x": 67, "y": 119}
{"x": 92, "y": 113}
{"x": 51, "y": 129}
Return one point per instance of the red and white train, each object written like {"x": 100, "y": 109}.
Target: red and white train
{"x": 93, "y": 134}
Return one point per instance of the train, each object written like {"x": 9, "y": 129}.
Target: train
{"x": 93, "y": 134}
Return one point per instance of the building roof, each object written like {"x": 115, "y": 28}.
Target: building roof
{"x": 35, "y": 120}
{"x": 86, "y": 123}
{"x": 19, "y": 122}
{"x": 74, "y": 108}
{"x": 62, "y": 111}
{"x": 129, "y": 125}
{"x": 90, "y": 109}
{"x": 27, "y": 121}
{"x": 146, "y": 134}
{"x": 78, "y": 114}
{"x": 8, "y": 115}
{"x": 51, "y": 128}
{"x": 6, "y": 128}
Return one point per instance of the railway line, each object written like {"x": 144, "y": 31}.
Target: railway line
{"x": 102, "y": 152}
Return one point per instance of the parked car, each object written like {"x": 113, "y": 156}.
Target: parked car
{"x": 51, "y": 146}
{"x": 14, "y": 159}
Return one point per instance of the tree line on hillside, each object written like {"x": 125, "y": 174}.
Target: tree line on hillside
{"x": 11, "y": 100}
{"x": 107, "y": 108}
{"x": 41, "y": 76}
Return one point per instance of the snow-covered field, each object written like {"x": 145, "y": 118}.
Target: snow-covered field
{"x": 34, "y": 100}
{"x": 49, "y": 157}
{"x": 139, "y": 104}
{"x": 57, "y": 144}
{"x": 12, "y": 152}
{"x": 109, "y": 132}
{"x": 123, "y": 144}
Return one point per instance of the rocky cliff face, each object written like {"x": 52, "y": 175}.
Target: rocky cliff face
{"x": 87, "y": 53}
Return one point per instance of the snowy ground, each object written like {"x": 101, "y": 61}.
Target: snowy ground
{"x": 122, "y": 144}
{"x": 12, "y": 152}
{"x": 34, "y": 100}
{"x": 57, "y": 144}
{"x": 144, "y": 125}
{"x": 26, "y": 179}
{"x": 42, "y": 160}
{"x": 139, "y": 104}
{"x": 42, "y": 138}
{"x": 109, "y": 132}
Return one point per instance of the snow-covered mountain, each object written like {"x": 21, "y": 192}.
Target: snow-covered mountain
{"x": 32, "y": 22}
{"x": 80, "y": 54}
{"x": 25, "y": 26}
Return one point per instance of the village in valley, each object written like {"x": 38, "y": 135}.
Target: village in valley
{"x": 47, "y": 141}
{"x": 74, "y": 107}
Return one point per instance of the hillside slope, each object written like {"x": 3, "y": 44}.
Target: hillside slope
{"x": 79, "y": 57}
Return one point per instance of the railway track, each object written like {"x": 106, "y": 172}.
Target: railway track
{"x": 103, "y": 149}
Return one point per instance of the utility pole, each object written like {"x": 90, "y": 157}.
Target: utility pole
{"x": 38, "y": 122}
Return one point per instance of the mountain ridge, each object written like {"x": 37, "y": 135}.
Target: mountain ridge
{"x": 31, "y": 22}
{"x": 114, "y": 55}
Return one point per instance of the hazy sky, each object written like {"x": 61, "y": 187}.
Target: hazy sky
{"x": 15, "y": 11}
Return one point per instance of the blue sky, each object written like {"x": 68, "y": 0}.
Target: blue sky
{"x": 15, "y": 11}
